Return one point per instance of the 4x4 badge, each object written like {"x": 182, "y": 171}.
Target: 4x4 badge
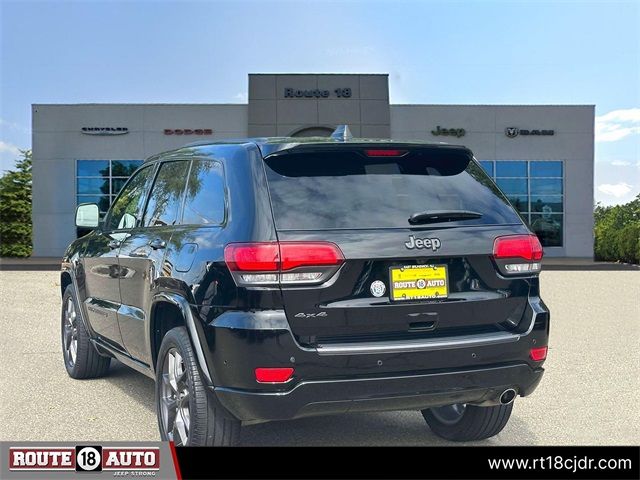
{"x": 432, "y": 243}
{"x": 310, "y": 315}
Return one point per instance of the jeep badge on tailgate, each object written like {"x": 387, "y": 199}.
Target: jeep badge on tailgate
{"x": 432, "y": 243}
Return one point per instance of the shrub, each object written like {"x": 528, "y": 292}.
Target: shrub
{"x": 628, "y": 243}
{"x": 617, "y": 232}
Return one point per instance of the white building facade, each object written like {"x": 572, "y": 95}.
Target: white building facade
{"x": 541, "y": 156}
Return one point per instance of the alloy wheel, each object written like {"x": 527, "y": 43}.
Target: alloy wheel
{"x": 174, "y": 407}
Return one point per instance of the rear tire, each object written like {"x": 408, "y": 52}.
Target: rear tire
{"x": 187, "y": 413}
{"x": 81, "y": 359}
{"x": 464, "y": 423}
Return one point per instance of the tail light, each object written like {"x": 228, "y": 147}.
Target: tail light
{"x": 538, "y": 354}
{"x": 387, "y": 152}
{"x": 273, "y": 375}
{"x": 270, "y": 263}
{"x": 252, "y": 257}
{"x": 300, "y": 254}
{"x": 518, "y": 254}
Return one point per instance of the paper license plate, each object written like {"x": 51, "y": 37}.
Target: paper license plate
{"x": 418, "y": 282}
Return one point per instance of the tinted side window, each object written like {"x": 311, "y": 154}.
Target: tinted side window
{"x": 204, "y": 202}
{"x": 166, "y": 194}
{"x": 127, "y": 209}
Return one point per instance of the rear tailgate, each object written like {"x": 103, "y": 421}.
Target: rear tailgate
{"x": 398, "y": 280}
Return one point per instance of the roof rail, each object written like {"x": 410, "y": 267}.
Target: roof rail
{"x": 198, "y": 143}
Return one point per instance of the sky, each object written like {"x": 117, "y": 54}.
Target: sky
{"x": 449, "y": 52}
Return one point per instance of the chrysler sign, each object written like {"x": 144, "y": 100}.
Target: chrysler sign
{"x": 104, "y": 130}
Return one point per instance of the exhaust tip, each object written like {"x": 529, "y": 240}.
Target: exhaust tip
{"x": 508, "y": 396}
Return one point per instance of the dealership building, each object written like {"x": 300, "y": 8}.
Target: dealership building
{"x": 541, "y": 156}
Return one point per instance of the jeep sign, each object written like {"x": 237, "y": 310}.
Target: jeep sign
{"x": 453, "y": 132}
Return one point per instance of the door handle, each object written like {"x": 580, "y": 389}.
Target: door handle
{"x": 113, "y": 244}
{"x": 157, "y": 244}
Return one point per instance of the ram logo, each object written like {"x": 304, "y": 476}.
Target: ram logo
{"x": 511, "y": 132}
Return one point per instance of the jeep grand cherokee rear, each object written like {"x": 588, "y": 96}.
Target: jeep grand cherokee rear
{"x": 407, "y": 282}
{"x": 271, "y": 279}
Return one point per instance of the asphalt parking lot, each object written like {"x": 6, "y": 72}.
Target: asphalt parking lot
{"x": 590, "y": 394}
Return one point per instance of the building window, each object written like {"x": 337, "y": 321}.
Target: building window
{"x": 535, "y": 188}
{"x": 99, "y": 181}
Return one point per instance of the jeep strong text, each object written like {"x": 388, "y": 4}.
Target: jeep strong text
{"x": 277, "y": 278}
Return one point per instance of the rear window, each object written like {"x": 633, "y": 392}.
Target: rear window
{"x": 348, "y": 189}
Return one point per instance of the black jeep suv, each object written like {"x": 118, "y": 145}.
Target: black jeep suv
{"x": 277, "y": 278}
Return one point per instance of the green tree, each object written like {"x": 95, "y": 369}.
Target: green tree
{"x": 617, "y": 232}
{"x": 15, "y": 208}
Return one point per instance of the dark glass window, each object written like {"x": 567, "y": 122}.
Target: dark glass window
{"x": 346, "y": 189}
{"x": 513, "y": 185}
{"x": 92, "y": 186}
{"x": 104, "y": 178}
{"x": 520, "y": 202}
{"x": 93, "y": 168}
{"x": 546, "y": 186}
{"x": 126, "y": 210}
{"x": 205, "y": 199}
{"x": 535, "y": 189}
{"x": 546, "y": 169}
{"x": 488, "y": 167}
{"x": 548, "y": 227}
{"x": 541, "y": 203}
{"x": 166, "y": 194}
{"x": 511, "y": 169}
{"x": 124, "y": 168}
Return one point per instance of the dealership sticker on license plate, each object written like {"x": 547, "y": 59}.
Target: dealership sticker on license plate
{"x": 419, "y": 282}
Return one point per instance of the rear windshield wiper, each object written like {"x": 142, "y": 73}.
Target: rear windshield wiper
{"x": 435, "y": 216}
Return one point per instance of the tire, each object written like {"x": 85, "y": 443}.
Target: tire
{"x": 81, "y": 359}
{"x": 187, "y": 413}
{"x": 463, "y": 423}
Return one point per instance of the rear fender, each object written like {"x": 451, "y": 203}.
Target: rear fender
{"x": 195, "y": 333}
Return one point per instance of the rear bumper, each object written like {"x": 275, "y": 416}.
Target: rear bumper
{"x": 409, "y": 392}
{"x": 364, "y": 377}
